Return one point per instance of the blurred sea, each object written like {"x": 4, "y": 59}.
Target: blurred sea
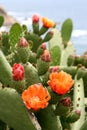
{"x": 58, "y": 12}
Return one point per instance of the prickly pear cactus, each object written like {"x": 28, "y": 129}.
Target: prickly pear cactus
{"x": 78, "y": 102}
{"x": 62, "y": 53}
{"x": 46, "y": 121}
{"x": 66, "y": 31}
{"x": 5, "y": 69}
{"x": 1, "y": 20}
{"x": 18, "y": 118}
{"x": 43, "y": 83}
{"x": 14, "y": 34}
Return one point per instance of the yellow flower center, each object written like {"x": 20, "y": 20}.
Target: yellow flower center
{"x": 34, "y": 100}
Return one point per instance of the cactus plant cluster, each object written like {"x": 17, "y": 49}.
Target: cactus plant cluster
{"x": 42, "y": 81}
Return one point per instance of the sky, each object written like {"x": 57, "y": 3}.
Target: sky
{"x": 45, "y": 4}
{"x": 58, "y": 9}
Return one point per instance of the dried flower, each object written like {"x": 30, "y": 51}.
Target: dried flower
{"x": 46, "y": 56}
{"x": 36, "y": 97}
{"x": 47, "y": 22}
{"x": 18, "y": 72}
{"x": 60, "y": 82}
{"x": 35, "y": 18}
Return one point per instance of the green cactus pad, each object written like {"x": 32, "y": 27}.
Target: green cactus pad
{"x": 36, "y": 40}
{"x": 71, "y": 60}
{"x": 42, "y": 30}
{"x": 32, "y": 58}
{"x": 14, "y": 35}
{"x": 65, "y": 52}
{"x": 81, "y": 72}
{"x": 66, "y": 30}
{"x": 85, "y": 82}
{"x": 5, "y": 70}
{"x": 19, "y": 86}
{"x": 44, "y": 78}
{"x": 5, "y": 43}
{"x": 35, "y": 28}
{"x": 84, "y": 126}
{"x": 47, "y": 119}
{"x": 56, "y": 39}
{"x": 72, "y": 117}
{"x": 62, "y": 110}
{"x": 69, "y": 50}
{"x": 55, "y": 53}
{"x": 55, "y": 98}
{"x": 23, "y": 54}
{"x": 71, "y": 70}
{"x": 13, "y": 111}
{"x": 42, "y": 66}
{"x": 2, "y": 125}
{"x": 1, "y": 20}
{"x": 31, "y": 74}
{"x": 78, "y": 102}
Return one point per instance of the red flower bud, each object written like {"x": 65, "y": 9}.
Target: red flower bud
{"x": 23, "y": 42}
{"x": 43, "y": 46}
{"x": 66, "y": 101}
{"x": 78, "y": 112}
{"x": 54, "y": 69}
{"x": 18, "y": 72}
{"x": 35, "y": 18}
{"x": 46, "y": 56}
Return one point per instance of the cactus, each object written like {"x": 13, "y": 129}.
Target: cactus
{"x": 78, "y": 60}
{"x": 36, "y": 40}
{"x": 78, "y": 102}
{"x": 84, "y": 126}
{"x": 5, "y": 70}
{"x": 65, "y": 52}
{"x": 5, "y": 43}
{"x": 2, "y": 126}
{"x": 85, "y": 82}
{"x": 42, "y": 67}
{"x": 47, "y": 119}
{"x": 10, "y": 102}
{"x": 43, "y": 83}
{"x": 56, "y": 39}
{"x": 66, "y": 31}
{"x": 14, "y": 35}
{"x": 31, "y": 74}
{"x": 1, "y": 20}
{"x": 71, "y": 70}
{"x": 23, "y": 50}
{"x": 55, "y": 55}
{"x": 19, "y": 86}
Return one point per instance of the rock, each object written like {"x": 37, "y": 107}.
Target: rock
{"x": 8, "y": 20}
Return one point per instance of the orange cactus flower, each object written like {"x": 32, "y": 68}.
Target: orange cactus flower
{"x": 36, "y": 97}
{"x": 47, "y": 23}
{"x": 60, "y": 82}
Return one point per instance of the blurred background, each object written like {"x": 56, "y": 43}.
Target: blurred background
{"x": 56, "y": 10}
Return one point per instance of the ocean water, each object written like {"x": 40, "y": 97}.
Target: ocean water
{"x": 56, "y": 10}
